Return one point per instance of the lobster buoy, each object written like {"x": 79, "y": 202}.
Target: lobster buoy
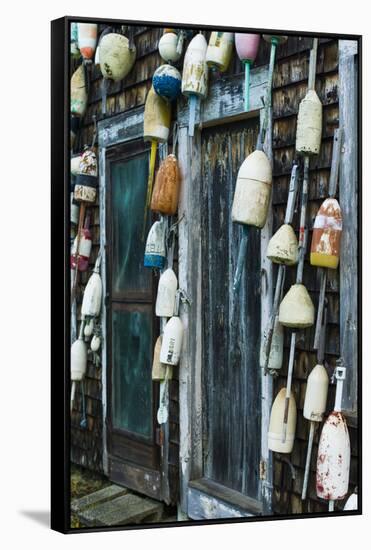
{"x": 92, "y": 300}
{"x": 167, "y": 82}
{"x": 158, "y": 369}
{"x": 74, "y": 48}
{"x": 86, "y": 179}
{"x": 82, "y": 259}
{"x": 87, "y": 39}
{"x": 157, "y": 116}
{"x": 297, "y": 309}
{"x": 79, "y": 358}
{"x": 328, "y": 225}
{"x": 316, "y": 394}
{"x": 283, "y": 246}
{"x": 351, "y": 503}
{"x": 219, "y": 50}
{"x": 116, "y": 58}
{"x": 79, "y": 97}
{"x": 95, "y": 343}
{"x": 166, "y": 294}
{"x": 155, "y": 253}
{"x": 89, "y": 328}
{"x": 247, "y": 46}
{"x": 165, "y": 194}
{"x": 172, "y": 341}
{"x": 333, "y": 460}
{"x": 168, "y": 47}
{"x": 195, "y": 76}
{"x": 276, "y": 424}
{"x": 75, "y": 165}
{"x": 253, "y": 190}
{"x": 276, "y": 351}
{"x": 309, "y": 125}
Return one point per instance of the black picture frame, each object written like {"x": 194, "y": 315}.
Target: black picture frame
{"x": 60, "y": 282}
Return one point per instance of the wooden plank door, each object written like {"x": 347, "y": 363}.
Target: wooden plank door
{"x": 133, "y": 455}
{"x": 231, "y": 323}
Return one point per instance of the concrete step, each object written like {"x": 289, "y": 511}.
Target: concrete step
{"x": 125, "y": 509}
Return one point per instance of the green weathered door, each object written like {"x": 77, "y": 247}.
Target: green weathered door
{"x": 132, "y": 400}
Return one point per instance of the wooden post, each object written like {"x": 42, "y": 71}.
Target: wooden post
{"x": 348, "y": 200}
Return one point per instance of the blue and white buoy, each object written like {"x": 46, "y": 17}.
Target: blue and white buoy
{"x": 167, "y": 82}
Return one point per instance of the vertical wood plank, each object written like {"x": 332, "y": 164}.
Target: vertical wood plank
{"x": 190, "y": 406}
{"x": 266, "y": 484}
{"x": 103, "y": 241}
{"x": 348, "y": 201}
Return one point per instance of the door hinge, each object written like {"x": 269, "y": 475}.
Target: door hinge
{"x": 262, "y": 470}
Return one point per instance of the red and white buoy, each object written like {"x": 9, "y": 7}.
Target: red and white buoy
{"x": 87, "y": 39}
{"x": 79, "y": 360}
{"x": 333, "y": 460}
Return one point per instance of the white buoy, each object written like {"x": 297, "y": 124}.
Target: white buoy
{"x": 276, "y": 423}
{"x": 168, "y": 49}
{"x": 87, "y": 39}
{"x": 351, "y": 503}
{"x": 155, "y": 253}
{"x": 195, "y": 76}
{"x": 309, "y": 125}
{"x": 92, "y": 300}
{"x": 316, "y": 394}
{"x": 283, "y": 246}
{"x": 253, "y": 190}
{"x": 297, "y": 309}
{"x": 116, "y": 59}
{"x": 95, "y": 343}
{"x": 89, "y": 327}
{"x": 276, "y": 350}
{"x": 166, "y": 294}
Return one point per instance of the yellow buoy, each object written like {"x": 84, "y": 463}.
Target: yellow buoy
{"x": 297, "y": 309}
{"x": 276, "y": 424}
{"x": 309, "y": 125}
{"x": 158, "y": 368}
{"x": 79, "y": 97}
{"x": 157, "y": 117}
{"x": 283, "y": 246}
{"x": 166, "y": 189}
{"x": 219, "y": 50}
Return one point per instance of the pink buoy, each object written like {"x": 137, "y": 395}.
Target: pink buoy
{"x": 247, "y": 48}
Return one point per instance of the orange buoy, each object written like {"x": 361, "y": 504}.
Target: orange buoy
{"x": 325, "y": 249}
{"x": 166, "y": 189}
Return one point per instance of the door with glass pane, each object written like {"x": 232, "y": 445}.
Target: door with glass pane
{"x": 132, "y": 401}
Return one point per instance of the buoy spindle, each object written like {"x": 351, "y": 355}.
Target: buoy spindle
{"x": 192, "y": 114}
{"x": 241, "y": 258}
{"x": 247, "y": 85}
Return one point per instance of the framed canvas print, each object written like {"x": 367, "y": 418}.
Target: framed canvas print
{"x": 206, "y": 214}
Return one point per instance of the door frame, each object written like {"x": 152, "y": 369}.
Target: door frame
{"x": 200, "y": 499}
{"x": 117, "y": 130}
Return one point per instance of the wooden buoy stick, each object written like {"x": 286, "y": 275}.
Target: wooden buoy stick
{"x": 247, "y": 85}
{"x": 334, "y": 174}
{"x": 293, "y": 188}
{"x": 241, "y": 258}
{"x": 320, "y": 359}
{"x": 151, "y": 173}
{"x": 312, "y": 65}
{"x": 192, "y": 114}
{"x": 293, "y": 337}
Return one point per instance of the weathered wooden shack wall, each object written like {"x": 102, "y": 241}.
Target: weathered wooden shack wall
{"x": 87, "y": 445}
{"x": 290, "y": 86}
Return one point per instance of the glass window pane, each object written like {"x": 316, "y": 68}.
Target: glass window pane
{"x": 132, "y": 384}
{"x": 129, "y": 187}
